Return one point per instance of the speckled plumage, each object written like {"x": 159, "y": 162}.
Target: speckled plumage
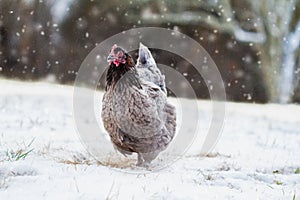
{"x": 136, "y": 114}
{"x": 147, "y": 68}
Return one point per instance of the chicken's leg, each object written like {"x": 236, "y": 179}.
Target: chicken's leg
{"x": 144, "y": 159}
{"x": 140, "y": 160}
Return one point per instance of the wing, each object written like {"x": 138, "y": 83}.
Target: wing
{"x": 140, "y": 120}
{"x": 139, "y": 112}
{"x": 152, "y": 74}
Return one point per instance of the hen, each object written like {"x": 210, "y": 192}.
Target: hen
{"x": 135, "y": 111}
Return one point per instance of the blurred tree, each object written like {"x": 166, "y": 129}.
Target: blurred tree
{"x": 296, "y": 97}
{"x": 86, "y": 24}
{"x": 254, "y": 43}
{"x": 272, "y": 26}
{"x": 26, "y": 31}
{"x": 99, "y": 20}
{"x": 281, "y": 26}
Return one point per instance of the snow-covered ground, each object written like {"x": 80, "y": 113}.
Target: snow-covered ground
{"x": 41, "y": 156}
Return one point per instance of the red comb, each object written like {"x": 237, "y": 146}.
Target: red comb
{"x": 113, "y": 47}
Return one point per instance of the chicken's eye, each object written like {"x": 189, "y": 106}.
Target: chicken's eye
{"x": 120, "y": 54}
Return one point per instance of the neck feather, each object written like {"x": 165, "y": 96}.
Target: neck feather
{"x": 125, "y": 72}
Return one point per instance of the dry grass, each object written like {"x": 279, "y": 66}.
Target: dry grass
{"x": 112, "y": 161}
{"x": 122, "y": 164}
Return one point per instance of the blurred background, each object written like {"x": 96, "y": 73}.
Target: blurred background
{"x": 254, "y": 43}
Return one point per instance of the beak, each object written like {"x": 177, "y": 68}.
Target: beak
{"x": 110, "y": 58}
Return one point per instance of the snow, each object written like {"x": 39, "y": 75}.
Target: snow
{"x": 60, "y": 9}
{"x": 257, "y": 156}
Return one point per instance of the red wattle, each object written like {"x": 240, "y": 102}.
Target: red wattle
{"x": 117, "y": 63}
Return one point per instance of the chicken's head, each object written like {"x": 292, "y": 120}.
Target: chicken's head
{"x": 117, "y": 56}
